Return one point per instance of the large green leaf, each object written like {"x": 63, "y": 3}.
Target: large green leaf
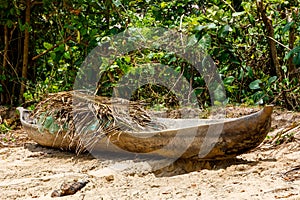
{"x": 48, "y": 122}
{"x": 228, "y": 80}
{"x": 205, "y": 42}
{"x": 272, "y": 79}
{"x": 53, "y": 129}
{"x": 296, "y": 59}
{"x": 211, "y": 26}
{"x": 255, "y": 84}
{"x": 238, "y": 14}
{"x": 287, "y": 26}
{"x": 67, "y": 55}
{"x": 207, "y": 26}
{"x": 224, "y": 31}
{"x": 47, "y": 45}
{"x": 117, "y": 3}
{"x": 292, "y": 52}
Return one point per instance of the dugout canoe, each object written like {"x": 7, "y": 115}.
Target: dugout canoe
{"x": 201, "y": 139}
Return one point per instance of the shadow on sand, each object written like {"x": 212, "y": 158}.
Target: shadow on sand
{"x": 161, "y": 167}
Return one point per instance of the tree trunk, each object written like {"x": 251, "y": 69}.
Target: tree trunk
{"x": 108, "y": 5}
{"x": 291, "y": 66}
{"x": 270, "y": 33}
{"x": 25, "y": 52}
{"x": 3, "y": 98}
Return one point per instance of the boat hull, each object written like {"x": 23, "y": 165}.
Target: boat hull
{"x": 184, "y": 138}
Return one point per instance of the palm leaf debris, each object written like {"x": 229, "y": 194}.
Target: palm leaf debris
{"x": 90, "y": 118}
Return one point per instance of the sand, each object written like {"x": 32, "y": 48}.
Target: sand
{"x": 271, "y": 171}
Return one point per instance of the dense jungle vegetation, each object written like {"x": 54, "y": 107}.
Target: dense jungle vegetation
{"x": 254, "y": 44}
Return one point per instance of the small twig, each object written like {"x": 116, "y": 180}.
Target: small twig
{"x": 279, "y": 43}
{"x": 233, "y": 10}
{"x": 180, "y": 29}
{"x": 13, "y": 69}
{"x": 285, "y": 132}
{"x": 180, "y": 25}
{"x": 53, "y": 47}
{"x": 36, "y": 3}
{"x": 283, "y": 91}
{"x": 181, "y": 74}
{"x": 293, "y": 169}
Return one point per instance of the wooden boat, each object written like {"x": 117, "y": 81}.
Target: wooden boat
{"x": 203, "y": 139}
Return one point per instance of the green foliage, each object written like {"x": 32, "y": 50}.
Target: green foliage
{"x": 234, "y": 35}
{"x": 4, "y": 128}
{"x": 295, "y": 54}
{"x": 264, "y": 89}
{"x": 285, "y": 138}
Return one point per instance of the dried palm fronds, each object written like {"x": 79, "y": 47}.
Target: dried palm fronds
{"x": 90, "y": 118}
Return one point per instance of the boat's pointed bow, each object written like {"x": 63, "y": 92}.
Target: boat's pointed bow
{"x": 268, "y": 109}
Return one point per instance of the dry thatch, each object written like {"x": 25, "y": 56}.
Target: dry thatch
{"x": 91, "y": 118}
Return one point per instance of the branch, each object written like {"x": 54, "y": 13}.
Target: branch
{"x": 53, "y": 47}
{"x": 288, "y": 48}
{"x": 285, "y": 91}
{"x": 232, "y": 9}
{"x": 36, "y": 3}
